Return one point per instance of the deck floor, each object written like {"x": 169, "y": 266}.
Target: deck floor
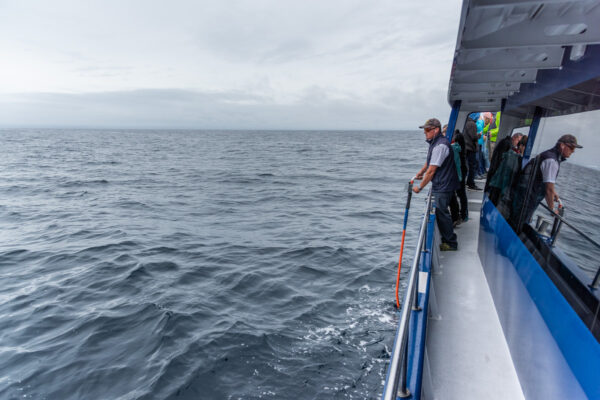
{"x": 467, "y": 356}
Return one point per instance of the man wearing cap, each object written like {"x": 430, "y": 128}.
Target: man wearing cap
{"x": 441, "y": 172}
{"x": 544, "y": 171}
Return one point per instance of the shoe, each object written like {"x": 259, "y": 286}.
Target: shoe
{"x": 447, "y": 247}
{"x": 456, "y": 223}
{"x": 474, "y": 188}
{"x": 465, "y": 219}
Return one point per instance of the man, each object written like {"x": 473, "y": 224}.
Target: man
{"x": 460, "y": 214}
{"x": 470, "y": 134}
{"x": 502, "y": 147}
{"x": 543, "y": 170}
{"x": 440, "y": 170}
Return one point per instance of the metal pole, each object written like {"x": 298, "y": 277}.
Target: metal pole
{"x": 596, "y": 280}
{"x": 589, "y": 239}
{"x": 532, "y": 176}
{"x": 403, "y": 392}
{"x": 535, "y": 123}
{"x": 400, "y": 343}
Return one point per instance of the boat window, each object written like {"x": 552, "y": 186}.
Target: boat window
{"x": 584, "y": 126}
{"x": 578, "y": 184}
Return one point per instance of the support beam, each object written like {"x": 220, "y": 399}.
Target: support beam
{"x": 521, "y": 76}
{"x": 452, "y": 120}
{"x": 505, "y": 3}
{"x": 535, "y": 123}
{"x": 486, "y": 86}
{"x": 510, "y": 58}
{"x": 480, "y": 95}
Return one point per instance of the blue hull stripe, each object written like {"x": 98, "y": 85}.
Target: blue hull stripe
{"x": 555, "y": 354}
{"x": 418, "y": 325}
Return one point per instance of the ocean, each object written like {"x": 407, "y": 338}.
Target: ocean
{"x": 206, "y": 264}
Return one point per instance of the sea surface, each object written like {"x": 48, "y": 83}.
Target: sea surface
{"x": 208, "y": 264}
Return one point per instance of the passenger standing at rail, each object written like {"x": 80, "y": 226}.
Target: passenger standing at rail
{"x": 470, "y": 134}
{"x": 440, "y": 170}
{"x": 460, "y": 214}
{"x": 543, "y": 170}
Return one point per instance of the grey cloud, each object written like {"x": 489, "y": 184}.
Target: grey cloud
{"x": 315, "y": 109}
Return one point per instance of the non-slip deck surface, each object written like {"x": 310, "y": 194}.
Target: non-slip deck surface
{"x": 467, "y": 355}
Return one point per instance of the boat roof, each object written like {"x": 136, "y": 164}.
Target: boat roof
{"x": 521, "y": 53}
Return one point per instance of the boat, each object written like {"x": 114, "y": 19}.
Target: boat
{"x": 508, "y": 315}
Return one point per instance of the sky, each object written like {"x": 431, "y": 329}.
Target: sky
{"x": 227, "y": 64}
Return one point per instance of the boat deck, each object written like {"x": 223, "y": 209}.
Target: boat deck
{"x": 467, "y": 356}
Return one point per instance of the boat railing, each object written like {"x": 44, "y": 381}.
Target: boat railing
{"x": 396, "y": 386}
{"x": 558, "y": 221}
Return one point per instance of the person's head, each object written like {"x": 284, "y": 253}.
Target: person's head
{"x": 567, "y": 144}
{"x": 515, "y": 138}
{"x": 444, "y": 129}
{"x": 522, "y": 144}
{"x": 431, "y": 128}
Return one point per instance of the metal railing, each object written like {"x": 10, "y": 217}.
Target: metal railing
{"x": 397, "y": 379}
{"x": 558, "y": 221}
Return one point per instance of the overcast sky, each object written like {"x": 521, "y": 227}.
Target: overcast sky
{"x": 256, "y": 64}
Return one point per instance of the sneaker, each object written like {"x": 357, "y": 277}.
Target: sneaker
{"x": 456, "y": 223}
{"x": 465, "y": 219}
{"x": 474, "y": 188}
{"x": 447, "y": 247}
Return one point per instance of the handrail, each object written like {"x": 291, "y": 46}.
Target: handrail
{"x": 596, "y": 281}
{"x": 397, "y": 370}
{"x": 592, "y": 241}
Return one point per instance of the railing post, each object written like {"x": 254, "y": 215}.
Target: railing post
{"x": 403, "y": 391}
{"x": 596, "y": 280}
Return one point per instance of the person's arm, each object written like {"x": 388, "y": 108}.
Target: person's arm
{"x": 426, "y": 179}
{"x": 419, "y": 175}
{"x": 551, "y": 195}
{"x": 549, "y": 170}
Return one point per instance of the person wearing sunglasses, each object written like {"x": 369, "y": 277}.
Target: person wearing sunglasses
{"x": 440, "y": 170}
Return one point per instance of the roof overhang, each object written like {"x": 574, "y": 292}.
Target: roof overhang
{"x": 509, "y": 50}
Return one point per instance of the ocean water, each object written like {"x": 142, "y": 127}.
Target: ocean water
{"x": 213, "y": 265}
{"x": 579, "y": 190}
{"x": 207, "y": 265}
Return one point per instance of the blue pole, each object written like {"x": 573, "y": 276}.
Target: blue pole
{"x": 535, "y": 123}
{"x": 452, "y": 121}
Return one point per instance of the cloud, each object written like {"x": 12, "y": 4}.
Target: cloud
{"x": 314, "y": 108}
{"x": 111, "y": 62}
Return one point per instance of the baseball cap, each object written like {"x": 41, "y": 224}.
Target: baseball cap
{"x": 569, "y": 139}
{"x": 431, "y": 123}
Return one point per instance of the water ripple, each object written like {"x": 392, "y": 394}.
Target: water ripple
{"x": 182, "y": 264}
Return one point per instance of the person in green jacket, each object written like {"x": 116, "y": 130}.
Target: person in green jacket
{"x": 493, "y": 132}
